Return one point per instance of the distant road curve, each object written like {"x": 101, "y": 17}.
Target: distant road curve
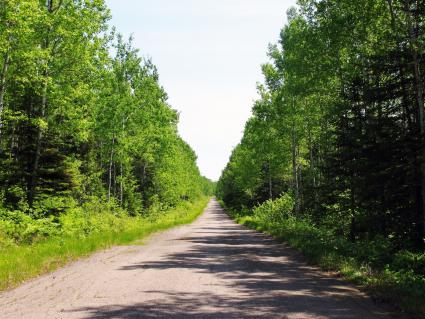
{"x": 212, "y": 268}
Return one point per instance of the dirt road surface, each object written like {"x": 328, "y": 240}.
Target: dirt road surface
{"x": 212, "y": 268}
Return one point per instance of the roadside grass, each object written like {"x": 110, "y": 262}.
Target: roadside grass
{"x": 400, "y": 283}
{"x": 21, "y": 262}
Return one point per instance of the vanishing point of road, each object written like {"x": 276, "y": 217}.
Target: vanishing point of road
{"x": 213, "y": 268}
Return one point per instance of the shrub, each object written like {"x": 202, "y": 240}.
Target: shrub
{"x": 406, "y": 260}
{"x": 18, "y": 227}
{"x": 275, "y": 211}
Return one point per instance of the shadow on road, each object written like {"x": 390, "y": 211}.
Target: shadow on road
{"x": 270, "y": 280}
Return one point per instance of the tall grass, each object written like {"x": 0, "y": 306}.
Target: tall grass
{"x": 21, "y": 262}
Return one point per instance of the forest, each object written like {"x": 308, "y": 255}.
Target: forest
{"x": 333, "y": 158}
{"x": 87, "y": 137}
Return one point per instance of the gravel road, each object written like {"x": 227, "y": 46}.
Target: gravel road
{"x": 212, "y": 268}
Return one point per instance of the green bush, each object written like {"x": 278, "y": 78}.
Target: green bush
{"x": 406, "y": 260}
{"x": 275, "y": 211}
{"x": 94, "y": 216}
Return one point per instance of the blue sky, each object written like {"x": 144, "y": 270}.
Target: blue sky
{"x": 208, "y": 54}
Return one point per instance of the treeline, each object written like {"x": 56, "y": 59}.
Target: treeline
{"x": 339, "y": 125}
{"x": 83, "y": 117}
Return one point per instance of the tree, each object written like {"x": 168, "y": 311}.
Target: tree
{"x": 342, "y": 103}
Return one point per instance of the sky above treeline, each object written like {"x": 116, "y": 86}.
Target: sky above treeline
{"x": 209, "y": 55}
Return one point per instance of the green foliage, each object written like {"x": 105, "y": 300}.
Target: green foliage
{"x": 83, "y": 117}
{"x": 275, "y": 211}
{"x": 338, "y": 122}
{"x": 408, "y": 261}
{"x": 18, "y": 227}
{"x": 339, "y": 126}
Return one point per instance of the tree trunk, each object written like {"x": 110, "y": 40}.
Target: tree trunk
{"x": 121, "y": 166}
{"x": 312, "y": 167}
{"x": 121, "y": 183}
{"x": 294, "y": 163}
{"x": 295, "y": 170}
{"x": 12, "y": 141}
{"x": 110, "y": 169}
{"x": 299, "y": 181}
{"x": 37, "y": 156}
{"x": 353, "y": 232}
{"x": 270, "y": 181}
{"x": 39, "y": 138}
{"x": 114, "y": 179}
{"x": 144, "y": 173}
{"x": 3, "y": 87}
{"x": 406, "y": 110}
{"x": 419, "y": 88}
{"x": 101, "y": 156}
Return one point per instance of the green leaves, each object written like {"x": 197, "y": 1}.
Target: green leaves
{"x": 338, "y": 121}
{"x": 78, "y": 123}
